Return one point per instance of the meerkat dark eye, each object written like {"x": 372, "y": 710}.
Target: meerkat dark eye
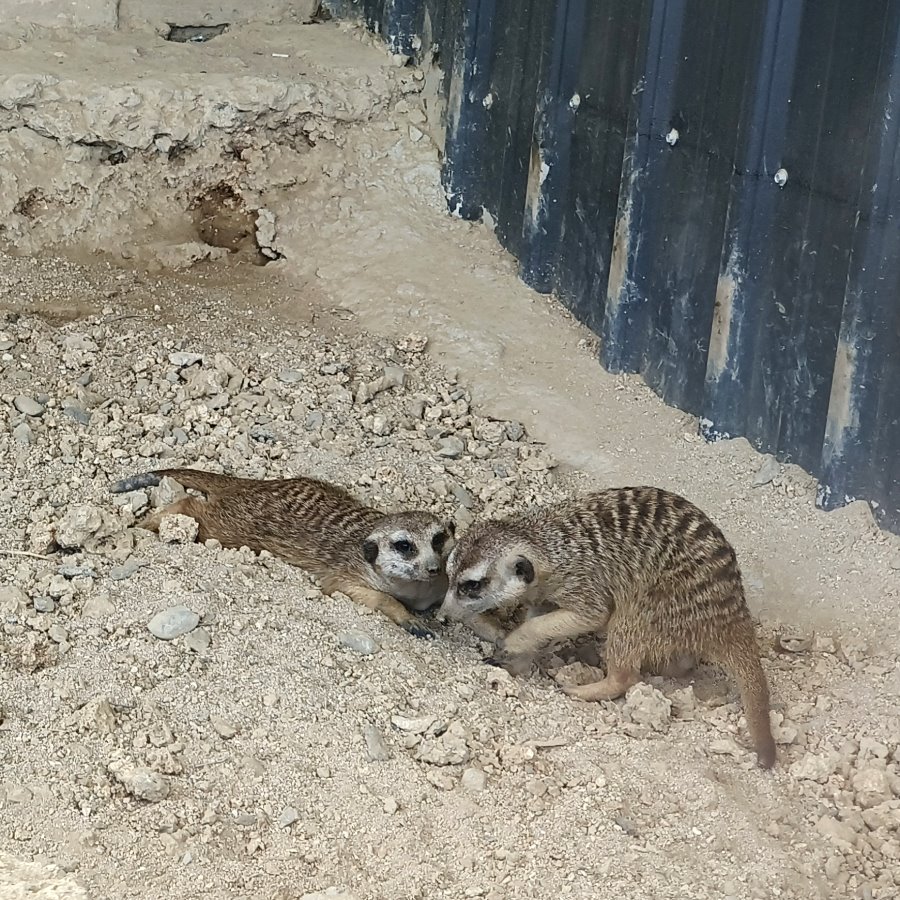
{"x": 472, "y": 586}
{"x": 404, "y": 547}
{"x": 438, "y": 541}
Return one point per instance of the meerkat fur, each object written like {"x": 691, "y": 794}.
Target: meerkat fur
{"x": 391, "y": 563}
{"x": 640, "y": 564}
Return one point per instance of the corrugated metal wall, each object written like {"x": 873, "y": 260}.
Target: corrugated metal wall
{"x": 712, "y": 187}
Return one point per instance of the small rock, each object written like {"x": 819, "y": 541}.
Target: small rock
{"x": 450, "y": 749}
{"x": 178, "y": 529}
{"x": 198, "y": 641}
{"x": 577, "y": 673}
{"x": 144, "y": 783}
{"x": 536, "y": 787}
{"x": 314, "y": 420}
{"x": 13, "y": 603}
{"x": 358, "y": 642}
{"x": 44, "y": 604}
{"x": 22, "y": 434}
{"x": 223, "y": 727}
{"x": 376, "y": 747}
{"x": 77, "y": 525}
{"x": 473, "y": 780}
{"x": 726, "y": 747}
{"x": 645, "y": 705}
{"x": 182, "y": 359}
{"x": 815, "y": 767}
{"x": 391, "y": 806}
{"x": 450, "y": 447}
{"x": 127, "y": 569}
{"x": 28, "y": 406}
{"x": 173, "y": 622}
{"x": 288, "y": 816}
{"x": 290, "y": 376}
{"x": 77, "y": 412}
{"x": 840, "y": 832}
{"x": 684, "y": 702}
{"x": 57, "y": 633}
{"x": 767, "y": 471}
{"x": 417, "y": 725}
{"x": 871, "y": 786}
{"x": 17, "y": 793}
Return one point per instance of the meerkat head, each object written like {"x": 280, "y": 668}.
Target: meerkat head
{"x": 488, "y": 570}
{"x": 406, "y": 554}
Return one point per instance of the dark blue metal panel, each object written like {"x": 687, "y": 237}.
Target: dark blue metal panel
{"x": 605, "y": 79}
{"x": 862, "y": 440}
{"x": 685, "y": 175}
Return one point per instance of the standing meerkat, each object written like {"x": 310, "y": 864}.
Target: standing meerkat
{"x": 388, "y": 562}
{"x": 642, "y": 564}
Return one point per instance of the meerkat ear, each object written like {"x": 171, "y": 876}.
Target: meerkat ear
{"x": 525, "y": 569}
{"x": 370, "y": 551}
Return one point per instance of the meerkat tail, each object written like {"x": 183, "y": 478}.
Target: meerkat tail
{"x": 195, "y": 479}
{"x": 743, "y": 662}
{"x": 135, "y": 482}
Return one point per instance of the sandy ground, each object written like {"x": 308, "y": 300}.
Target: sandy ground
{"x": 260, "y": 755}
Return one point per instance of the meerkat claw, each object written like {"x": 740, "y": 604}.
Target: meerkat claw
{"x": 419, "y": 632}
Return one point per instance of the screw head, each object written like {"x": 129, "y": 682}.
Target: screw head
{"x": 672, "y": 137}
{"x": 781, "y": 177}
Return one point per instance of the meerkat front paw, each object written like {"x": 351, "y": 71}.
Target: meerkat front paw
{"x": 515, "y": 665}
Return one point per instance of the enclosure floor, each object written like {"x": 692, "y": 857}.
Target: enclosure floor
{"x": 260, "y": 736}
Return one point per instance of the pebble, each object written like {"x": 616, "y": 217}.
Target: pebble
{"x": 815, "y": 767}
{"x": 768, "y": 471}
{"x": 28, "y": 406}
{"x": 78, "y": 524}
{"x": 22, "y": 434}
{"x": 290, "y": 376}
{"x": 57, "y": 633}
{"x": 77, "y": 412}
{"x": 143, "y": 783}
{"x": 13, "y": 602}
{"x": 225, "y": 729}
{"x": 358, "y": 642}
{"x": 450, "y": 447}
{"x": 182, "y": 359}
{"x": 178, "y": 529}
{"x": 198, "y": 641}
{"x": 127, "y": 569}
{"x": 871, "y": 786}
{"x": 450, "y": 749}
{"x": 44, "y": 604}
{"x": 173, "y": 622}
{"x": 376, "y": 748}
{"x": 473, "y": 780}
{"x": 288, "y": 816}
{"x": 645, "y": 705}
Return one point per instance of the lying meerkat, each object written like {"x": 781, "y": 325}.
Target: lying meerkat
{"x": 388, "y": 562}
{"x": 642, "y": 564}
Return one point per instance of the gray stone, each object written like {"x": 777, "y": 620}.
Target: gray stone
{"x": 767, "y": 471}
{"x": 78, "y": 524}
{"x": 314, "y": 420}
{"x": 473, "y": 780}
{"x": 78, "y": 413}
{"x": 97, "y": 607}
{"x": 44, "y": 604}
{"x": 376, "y": 748}
{"x": 288, "y": 816}
{"x": 127, "y": 569}
{"x": 183, "y": 359}
{"x": 28, "y": 406}
{"x": 198, "y": 641}
{"x": 290, "y": 376}
{"x": 450, "y": 447}
{"x": 173, "y": 622}
{"x": 22, "y": 434}
{"x": 358, "y": 642}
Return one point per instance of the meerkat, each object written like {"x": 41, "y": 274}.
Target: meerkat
{"x": 641, "y": 564}
{"x": 389, "y": 562}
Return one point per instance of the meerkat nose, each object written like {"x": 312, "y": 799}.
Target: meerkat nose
{"x": 433, "y": 569}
